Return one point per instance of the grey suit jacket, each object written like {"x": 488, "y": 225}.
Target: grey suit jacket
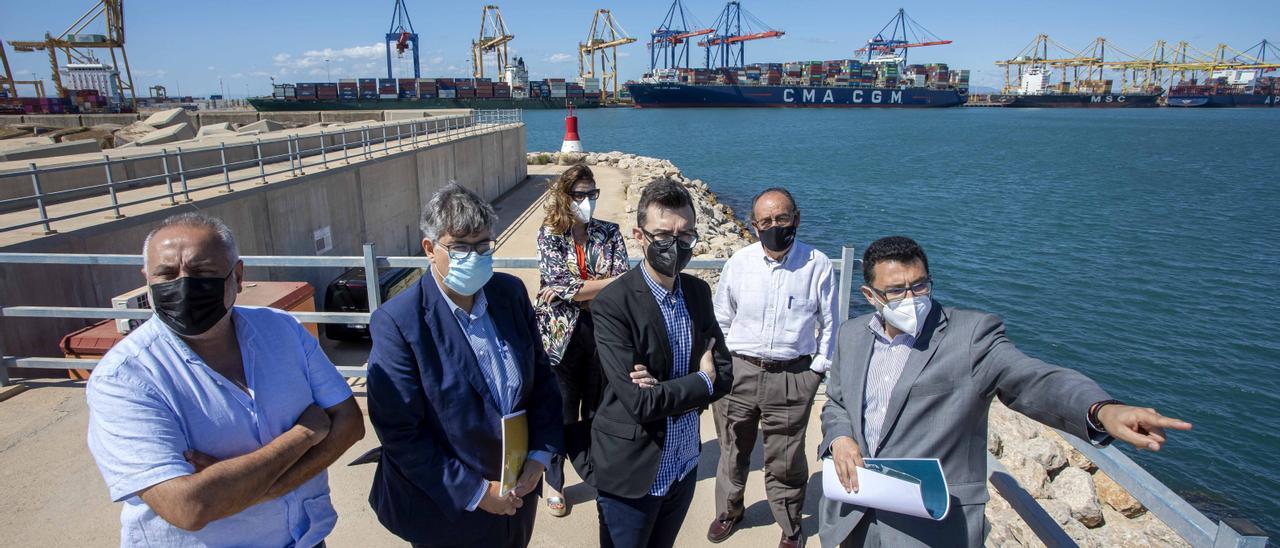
{"x": 938, "y": 409}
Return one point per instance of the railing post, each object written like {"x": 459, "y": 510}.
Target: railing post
{"x": 346, "y": 156}
{"x": 35, "y": 184}
{"x": 413, "y": 135}
{"x": 385, "y": 151}
{"x": 364, "y": 141}
{"x": 111, "y": 186}
{"x": 226, "y": 172}
{"x": 371, "y": 278}
{"x": 846, "y": 282}
{"x": 293, "y": 169}
{"x": 182, "y": 178}
{"x": 262, "y": 168}
{"x": 324, "y": 151}
{"x": 168, "y": 180}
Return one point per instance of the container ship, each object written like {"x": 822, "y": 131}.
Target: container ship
{"x": 516, "y": 91}
{"x": 883, "y": 79}
{"x": 1029, "y": 78}
{"x": 845, "y": 83}
{"x": 1035, "y": 91}
{"x": 1227, "y": 88}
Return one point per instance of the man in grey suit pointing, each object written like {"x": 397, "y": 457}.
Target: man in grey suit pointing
{"x": 915, "y": 379}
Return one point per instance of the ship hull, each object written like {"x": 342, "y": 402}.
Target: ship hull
{"x": 673, "y": 95}
{"x": 1223, "y": 100}
{"x": 1101, "y": 100}
{"x": 533, "y": 103}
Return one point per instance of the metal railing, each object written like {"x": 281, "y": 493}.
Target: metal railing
{"x": 331, "y": 146}
{"x": 1173, "y": 510}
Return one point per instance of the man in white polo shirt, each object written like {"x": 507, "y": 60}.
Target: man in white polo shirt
{"x": 776, "y": 303}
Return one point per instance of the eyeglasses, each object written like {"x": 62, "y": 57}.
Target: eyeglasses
{"x": 784, "y": 219}
{"x": 895, "y": 294}
{"x": 685, "y": 240}
{"x": 593, "y": 194}
{"x": 462, "y": 249}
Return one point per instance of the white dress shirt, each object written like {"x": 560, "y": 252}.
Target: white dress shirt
{"x": 778, "y": 310}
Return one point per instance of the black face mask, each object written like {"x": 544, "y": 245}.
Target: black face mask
{"x": 668, "y": 259}
{"x": 190, "y": 306}
{"x": 778, "y": 238}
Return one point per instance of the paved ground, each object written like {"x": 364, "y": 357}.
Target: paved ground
{"x": 52, "y": 495}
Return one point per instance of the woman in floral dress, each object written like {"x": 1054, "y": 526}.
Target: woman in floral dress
{"x": 578, "y": 256}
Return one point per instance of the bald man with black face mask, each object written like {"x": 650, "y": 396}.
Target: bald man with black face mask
{"x": 776, "y": 303}
{"x": 214, "y": 423}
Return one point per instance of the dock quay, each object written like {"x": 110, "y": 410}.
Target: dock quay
{"x": 1047, "y": 489}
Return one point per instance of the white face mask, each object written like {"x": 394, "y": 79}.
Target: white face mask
{"x": 907, "y": 314}
{"x": 582, "y": 210}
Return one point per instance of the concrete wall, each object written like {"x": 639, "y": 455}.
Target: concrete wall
{"x": 231, "y": 117}
{"x": 377, "y": 201}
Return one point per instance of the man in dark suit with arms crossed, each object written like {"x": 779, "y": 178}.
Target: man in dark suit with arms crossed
{"x": 915, "y": 380}
{"x": 664, "y": 359}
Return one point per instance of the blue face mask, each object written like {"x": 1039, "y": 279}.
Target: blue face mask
{"x": 468, "y": 274}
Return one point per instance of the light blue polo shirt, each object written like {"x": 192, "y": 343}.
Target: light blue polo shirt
{"x": 151, "y": 398}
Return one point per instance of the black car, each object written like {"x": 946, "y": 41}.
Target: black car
{"x": 349, "y": 293}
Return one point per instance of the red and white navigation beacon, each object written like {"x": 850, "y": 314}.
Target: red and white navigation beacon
{"x": 571, "y": 142}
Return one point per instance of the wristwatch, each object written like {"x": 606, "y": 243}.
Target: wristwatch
{"x": 1093, "y": 413}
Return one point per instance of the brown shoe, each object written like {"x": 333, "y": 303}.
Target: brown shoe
{"x": 789, "y": 542}
{"x": 722, "y": 527}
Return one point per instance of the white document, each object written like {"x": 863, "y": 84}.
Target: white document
{"x": 915, "y": 487}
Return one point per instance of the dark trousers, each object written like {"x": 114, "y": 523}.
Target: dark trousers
{"x": 500, "y": 532}
{"x": 777, "y": 402}
{"x": 649, "y": 521}
{"x": 581, "y": 384}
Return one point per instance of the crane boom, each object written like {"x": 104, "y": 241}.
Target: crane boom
{"x": 678, "y": 38}
{"x": 743, "y": 38}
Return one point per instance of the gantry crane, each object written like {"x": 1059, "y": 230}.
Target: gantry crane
{"x": 604, "y": 37}
{"x": 76, "y": 46}
{"x": 402, "y": 35}
{"x": 493, "y": 39}
{"x": 728, "y": 33}
{"x": 8, "y": 85}
{"x": 1044, "y": 55}
{"x": 906, "y": 34}
{"x": 1138, "y": 73}
{"x": 669, "y": 43}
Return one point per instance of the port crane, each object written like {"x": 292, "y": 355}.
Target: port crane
{"x": 726, "y": 46}
{"x": 906, "y": 34}
{"x": 1043, "y": 56}
{"x": 1138, "y": 73}
{"x": 403, "y": 37}
{"x": 669, "y": 43}
{"x": 494, "y": 37}
{"x": 604, "y": 37}
{"x": 76, "y": 46}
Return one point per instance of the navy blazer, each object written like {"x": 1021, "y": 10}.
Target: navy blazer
{"x": 439, "y": 425}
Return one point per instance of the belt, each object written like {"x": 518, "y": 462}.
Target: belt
{"x": 774, "y": 365}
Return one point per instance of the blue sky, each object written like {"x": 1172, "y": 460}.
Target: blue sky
{"x": 190, "y": 46}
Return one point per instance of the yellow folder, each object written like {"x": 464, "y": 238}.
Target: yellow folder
{"x": 515, "y": 448}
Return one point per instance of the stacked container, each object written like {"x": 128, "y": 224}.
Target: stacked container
{"x": 327, "y": 91}
{"x": 306, "y": 92}
{"x": 387, "y": 89}
{"x": 348, "y": 90}
{"x": 368, "y": 88}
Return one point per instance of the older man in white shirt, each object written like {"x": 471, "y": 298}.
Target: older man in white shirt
{"x": 775, "y": 302}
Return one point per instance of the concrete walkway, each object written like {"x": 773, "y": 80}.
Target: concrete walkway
{"x": 51, "y": 493}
